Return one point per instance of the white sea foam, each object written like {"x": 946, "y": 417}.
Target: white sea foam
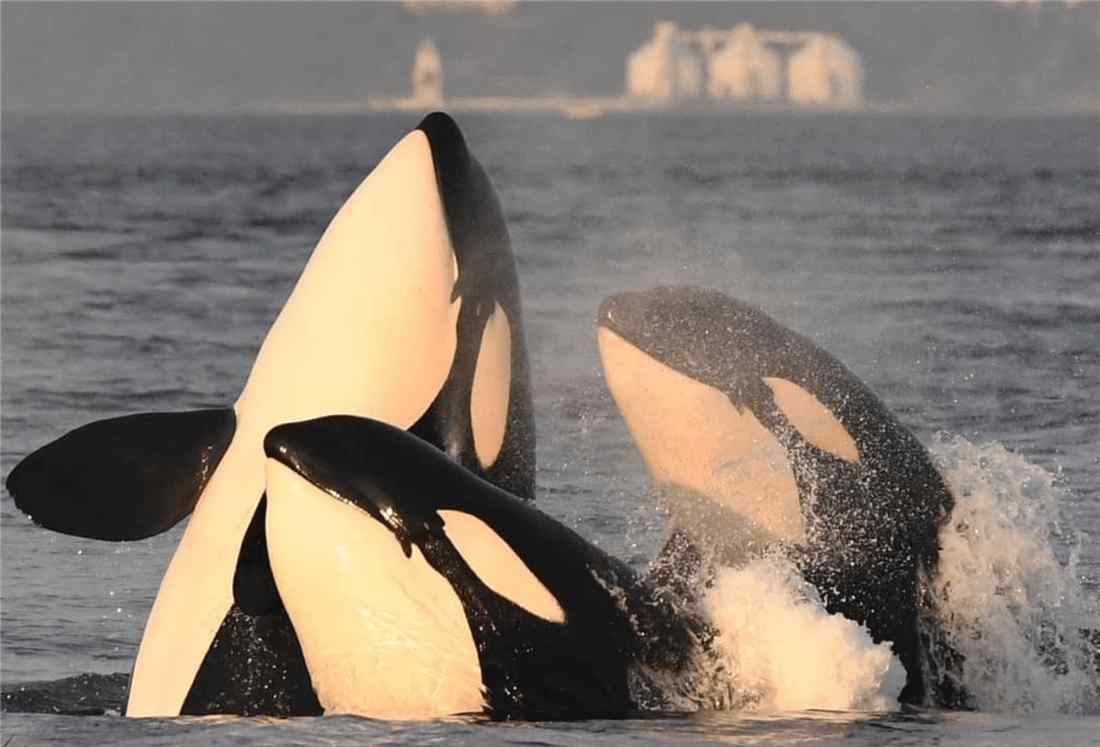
{"x": 1011, "y": 607}
{"x": 1015, "y": 610}
{"x": 783, "y": 651}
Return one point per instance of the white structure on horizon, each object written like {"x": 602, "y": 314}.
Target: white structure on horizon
{"x": 744, "y": 68}
{"x": 665, "y": 68}
{"x": 745, "y": 64}
{"x": 488, "y": 7}
{"x": 825, "y": 70}
{"x": 427, "y": 74}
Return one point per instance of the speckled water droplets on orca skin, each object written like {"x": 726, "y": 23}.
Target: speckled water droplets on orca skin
{"x": 408, "y": 311}
{"x": 761, "y": 440}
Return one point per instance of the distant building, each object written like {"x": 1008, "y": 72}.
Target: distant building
{"x": 744, "y": 68}
{"x": 825, "y": 70}
{"x": 665, "y": 68}
{"x": 488, "y": 7}
{"x": 427, "y": 74}
{"x": 745, "y": 64}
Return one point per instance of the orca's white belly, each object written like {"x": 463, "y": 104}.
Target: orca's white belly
{"x": 384, "y": 635}
{"x": 197, "y": 591}
{"x": 370, "y": 330}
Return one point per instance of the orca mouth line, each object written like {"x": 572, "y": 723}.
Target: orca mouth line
{"x": 284, "y": 455}
{"x": 642, "y": 318}
{"x": 277, "y": 448}
{"x": 611, "y": 313}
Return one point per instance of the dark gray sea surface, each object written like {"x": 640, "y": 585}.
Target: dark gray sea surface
{"x": 952, "y": 263}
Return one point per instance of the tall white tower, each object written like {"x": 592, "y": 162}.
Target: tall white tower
{"x": 427, "y": 74}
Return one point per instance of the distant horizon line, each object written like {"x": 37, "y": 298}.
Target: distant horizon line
{"x": 341, "y": 108}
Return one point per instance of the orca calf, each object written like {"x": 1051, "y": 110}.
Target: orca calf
{"x": 475, "y": 601}
{"x": 409, "y": 312}
{"x": 762, "y": 441}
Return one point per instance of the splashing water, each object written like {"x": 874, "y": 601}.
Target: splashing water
{"x": 783, "y": 651}
{"x": 1016, "y": 613}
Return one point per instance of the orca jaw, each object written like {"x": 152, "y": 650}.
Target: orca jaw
{"x": 698, "y": 332}
{"x": 738, "y": 350}
{"x": 333, "y": 454}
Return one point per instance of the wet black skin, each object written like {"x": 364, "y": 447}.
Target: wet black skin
{"x": 872, "y": 525}
{"x": 486, "y": 278}
{"x": 126, "y": 478}
{"x": 136, "y": 476}
{"x": 615, "y": 628}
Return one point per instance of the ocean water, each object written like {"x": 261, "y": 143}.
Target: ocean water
{"x": 952, "y": 263}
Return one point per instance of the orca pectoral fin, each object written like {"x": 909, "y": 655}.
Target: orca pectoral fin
{"x": 125, "y": 478}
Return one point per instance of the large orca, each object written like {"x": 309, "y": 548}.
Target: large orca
{"x": 762, "y": 441}
{"x": 475, "y": 601}
{"x": 408, "y": 311}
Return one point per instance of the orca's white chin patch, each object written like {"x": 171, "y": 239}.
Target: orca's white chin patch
{"x": 384, "y": 635}
{"x": 370, "y": 328}
{"x": 691, "y": 436}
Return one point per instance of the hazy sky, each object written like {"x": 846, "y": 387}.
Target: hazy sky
{"x": 162, "y": 56}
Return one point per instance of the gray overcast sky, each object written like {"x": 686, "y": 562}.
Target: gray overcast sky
{"x": 166, "y": 56}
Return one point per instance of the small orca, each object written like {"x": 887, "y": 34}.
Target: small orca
{"x": 475, "y": 601}
{"x": 408, "y": 311}
{"x": 762, "y": 441}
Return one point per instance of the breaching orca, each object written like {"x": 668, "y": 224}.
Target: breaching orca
{"x": 475, "y": 601}
{"x": 762, "y": 441}
{"x": 409, "y": 312}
